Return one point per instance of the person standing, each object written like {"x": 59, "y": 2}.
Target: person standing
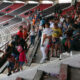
{"x": 20, "y": 32}
{"x": 22, "y": 56}
{"x": 25, "y": 33}
{"x": 32, "y": 36}
{"x": 46, "y": 34}
{"x": 57, "y": 33}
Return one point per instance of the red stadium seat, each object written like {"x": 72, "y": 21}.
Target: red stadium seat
{"x": 41, "y": 6}
{"x": 13, "y": 7}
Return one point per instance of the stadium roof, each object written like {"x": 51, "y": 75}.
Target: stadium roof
{"x": 46, "y": 1}
{"x": 29, "y": 0}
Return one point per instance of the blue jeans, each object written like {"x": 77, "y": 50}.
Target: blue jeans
{"x": 39, "y": 33}
{"x": 32, "y": 40}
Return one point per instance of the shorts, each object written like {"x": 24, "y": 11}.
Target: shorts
{"x": 49, "y": 45}
{"x": 57, "y": 40}
{"x": 11, "y": 65}
{"x": 21, "y": 63}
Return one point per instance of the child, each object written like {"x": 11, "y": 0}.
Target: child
{"x": 32, "y": 36}
{"x": 11, "y": 64}
{"x": 22, "y": 56}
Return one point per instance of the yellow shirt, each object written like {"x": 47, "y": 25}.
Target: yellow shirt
{"x": 56, "y": 32}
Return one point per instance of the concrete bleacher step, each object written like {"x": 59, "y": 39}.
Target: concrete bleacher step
{"x": 3, "y": 75}
{"x": 69, "y": 72}
{"x": 44, "y": 66}
{"x": 49, "y": 67}
{"x": 38, "y": 63}
{"x": 38, "y": 58}
{"x": 38, "y": 75}
{"x": 33, "y": 51}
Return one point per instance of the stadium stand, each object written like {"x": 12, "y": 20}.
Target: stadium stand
{"x": 55, "y": 8}
{"x": 22, "y": 9}
{"x": 12, "y": 22}
{"x": 4, "y": 5}
{"x": 13, "y": 7}
{"x": 42, "y": 45}
{"x": 1, "y": 14}
{"x": 5, "y": 18}
{"x": 40, "y": 6}
{"x": 67, "y": 10}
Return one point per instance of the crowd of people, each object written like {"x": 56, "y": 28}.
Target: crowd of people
{"x": 58, "y": 33}
{"x": 15, "y": 52}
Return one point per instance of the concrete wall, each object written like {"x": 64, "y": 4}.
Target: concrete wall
{"x": 73, "y": 73}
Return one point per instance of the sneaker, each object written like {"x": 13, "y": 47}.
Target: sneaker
{"x": 9, "y": 73}
{"x": 70, "y": 53}
{"x": 60, "y": 57}
{"x": 66, "y": 54}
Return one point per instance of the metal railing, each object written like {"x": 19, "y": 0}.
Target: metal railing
{"x": 3, "y": 47}
{"x": 33, "y": 52}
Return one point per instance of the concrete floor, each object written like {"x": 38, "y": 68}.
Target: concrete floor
{"x": 52, "y": 66}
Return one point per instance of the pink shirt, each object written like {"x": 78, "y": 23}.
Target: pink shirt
{"x": 22, "y": 56}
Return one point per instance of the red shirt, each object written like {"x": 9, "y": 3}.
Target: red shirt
{"x": 20, "y": 34}
{"x": 22, "y": 56}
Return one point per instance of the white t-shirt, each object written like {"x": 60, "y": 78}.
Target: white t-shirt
{"x": 48, "y": 32}
{"x": 32, "y": 33}
{"x": 59, "y": 25}
{"x": 51, "y": 24}
{"x": 61, "y": 20}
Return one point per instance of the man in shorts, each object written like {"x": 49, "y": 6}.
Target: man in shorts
{"x": 56, "y": 38}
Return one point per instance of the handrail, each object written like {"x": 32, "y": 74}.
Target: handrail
{"x": 33, "y": 52}
{"x": 5, "y": 44}
{"x": 9, "y": 40}
{"x": 4, "y": 47}
{"x": 5, "y": 64}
